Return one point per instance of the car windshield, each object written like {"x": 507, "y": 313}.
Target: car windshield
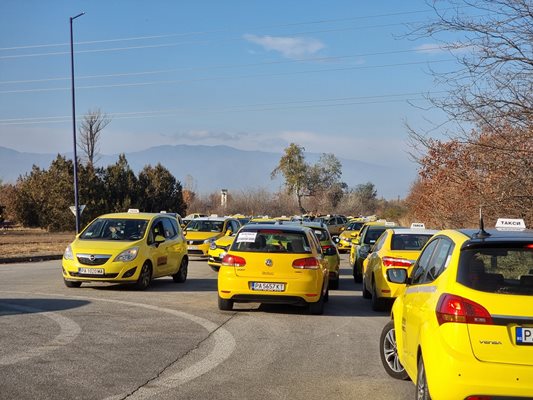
{"x": 354, "y": 226}
{"x": 505, "y": 270}
{"x": 271, "y": 241}
{"x": 115, "y": 229}
{"x": 409, "y": 241}
{"x": 205, "y": 226}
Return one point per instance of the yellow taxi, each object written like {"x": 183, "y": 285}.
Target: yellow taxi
{"x": 274, "y": 264}
{"x": 218, "y": 249}
{"x": 344, "y": 241}
{"x": 130, "y": 247}
{"x": 202, "y": 231}
{"x": 463, "y": 326}
{"x": 395, "y": 248}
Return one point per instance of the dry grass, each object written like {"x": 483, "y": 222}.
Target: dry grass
{"x": 32, "y": 242}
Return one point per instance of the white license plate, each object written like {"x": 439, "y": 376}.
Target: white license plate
{"x": 193, "y": 247}
{"x": 91, "y": 271}
{"x": 524, "y": 335}
{"x": 268, "y": 287}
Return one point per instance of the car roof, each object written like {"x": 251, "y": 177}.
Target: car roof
{"x": 219, "y": 219}
{"x": 139, "y": 215}
{"x": 281, "y": 227}
{"x": 496, "y": 236}
{"x": 309, "y": 224}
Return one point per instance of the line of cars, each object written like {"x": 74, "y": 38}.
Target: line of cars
{"x": 462, "y": 319}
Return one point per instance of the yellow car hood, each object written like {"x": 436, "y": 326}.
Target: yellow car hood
{"x": 101, "y": 246}
{"x": 201, "y": 235}
{"x": 225, "y": 241}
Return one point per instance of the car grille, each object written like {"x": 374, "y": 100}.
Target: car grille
{"x": 195, "y": 242}
{"x": 105, "y": 276}
{"x": 199, "y": 252}
{"x": 93, "y": 259}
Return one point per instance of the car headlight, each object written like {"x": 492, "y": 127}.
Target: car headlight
{"x": 213, "y": 246}
{"x": 209, "y": 241}
{"x": 127, "y": 255}
{"x": 68, "y": 255}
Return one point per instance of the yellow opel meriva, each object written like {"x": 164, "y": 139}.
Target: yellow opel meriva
{"x": 463, "y": 327}
{"x": 274, "y": 264}
{"x": 128, "y": 247}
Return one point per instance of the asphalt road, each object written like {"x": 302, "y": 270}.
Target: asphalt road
{"x": 171, "y": 342}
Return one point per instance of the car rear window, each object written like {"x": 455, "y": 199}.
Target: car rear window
{"x": 498, "y": 269}
{"x": 373, "y": 234}
{"x": 271, "y": 241}
{"x": 354, "y": 226}
{"x": 115, "y": 229}
{"x": 409, "y": 241}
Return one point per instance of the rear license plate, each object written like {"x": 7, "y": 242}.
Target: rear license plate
{"x": 91, "y": 271}
{"x": 524, "y": 335}
{"x": 268, "y": 286}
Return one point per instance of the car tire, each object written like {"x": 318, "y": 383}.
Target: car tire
{"x": 326, "y": 295}
{"x": 366, "y": 292}
{"x": 389, "y": 353}
{"x": 225, "y": 304}
{"x": 72, "y": 284}
{"x": 334, "y": 284}
{"x": 181, "y": 275}
{"x": 378, "y": 304}
{"x": 422, "y": 390}
{"x": 145, "y": 277}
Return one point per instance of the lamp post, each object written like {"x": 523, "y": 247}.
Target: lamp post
{"x": 76, "y": 203}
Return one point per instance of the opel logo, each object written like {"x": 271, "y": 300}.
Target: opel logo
{"x": 268, "y": 262}
{"x": 92, "y": 257}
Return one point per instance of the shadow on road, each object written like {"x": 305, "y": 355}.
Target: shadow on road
{"x": 30, "y": 306}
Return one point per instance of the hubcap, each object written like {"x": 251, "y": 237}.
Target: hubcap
{"x": 391, "y": 353}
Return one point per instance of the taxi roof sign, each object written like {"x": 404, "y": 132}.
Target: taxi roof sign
{"x": 418, "y": 225}
{"x": 510, "y": 224}
{"x": 390, "y": 223}
{"x": 133, "y": 211}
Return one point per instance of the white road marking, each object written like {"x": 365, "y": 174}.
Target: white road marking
{"x": 69, "y": 331}
{"x": 224, "y": 345}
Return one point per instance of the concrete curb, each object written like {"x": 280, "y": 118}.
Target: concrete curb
{"x": 23, "y": 259}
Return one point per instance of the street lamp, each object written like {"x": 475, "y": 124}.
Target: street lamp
{"x": 76, "y": 203}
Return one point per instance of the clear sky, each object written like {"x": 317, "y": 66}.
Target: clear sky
{"x": 333, "y": 76}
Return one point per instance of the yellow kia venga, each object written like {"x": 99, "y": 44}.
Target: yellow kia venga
{"x": 274, "y": 264}
{"x": 130, "y": 247}
{"x": 463, "y": 326}
{"x": 202, "y": 231}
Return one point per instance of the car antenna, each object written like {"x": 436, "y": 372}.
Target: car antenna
{"x": 482, "y": 234}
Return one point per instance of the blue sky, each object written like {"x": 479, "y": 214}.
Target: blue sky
{"x": 332, "y": 76}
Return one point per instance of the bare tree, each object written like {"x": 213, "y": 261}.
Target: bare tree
{"x": 89, "y": 133}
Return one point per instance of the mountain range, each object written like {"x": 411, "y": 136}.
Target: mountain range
{"x": 216, "y": 167}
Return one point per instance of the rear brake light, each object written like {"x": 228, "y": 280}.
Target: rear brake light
{"x": 306, "y": 263}
{"x": 479, "y": 398}
{"x": 451, "y": 308}
{"x": 233, "y": 261}
{"x": 324, "y": 248}
{"x": 396, "y": 262}
{"x": 529, "y": 246}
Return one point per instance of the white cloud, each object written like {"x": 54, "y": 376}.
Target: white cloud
{"x": 289, "y": 47}
{"x": 435, "y": 48}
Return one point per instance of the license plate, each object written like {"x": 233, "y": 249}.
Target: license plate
{"x": 91, "y": 271}
{"x": 268, "y": 286}
{"x": 524, "y": 335}
{"x": 193, "y": 247}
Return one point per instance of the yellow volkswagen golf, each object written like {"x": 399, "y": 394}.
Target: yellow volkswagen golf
{"x": 463, "y": 327}
{"x": 274, "y": 264}
{"x": 130, "y": 247}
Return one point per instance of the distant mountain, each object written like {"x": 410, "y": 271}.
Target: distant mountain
{"x": 217, "y": 167}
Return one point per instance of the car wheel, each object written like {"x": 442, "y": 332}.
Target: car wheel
{"x": 318, "y": 307}
{"x": 145, "y": 277}
{"x": 334, "y": 284}
{"x": 422, "y": 390}
{"x": 225, "y": 304}
{"x": 366, "y": 292}
{"x": 389, "y": 353}
{"x": 71, "y": 284}
{"x": 181, "y": 275}
{"x": 326, "y": 295}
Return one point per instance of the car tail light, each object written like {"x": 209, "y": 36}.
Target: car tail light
{"x": 396, "y": 262}
{"x": 451, "y": 308}
{"x": 306, "y": 263}
{"x": 479, "y": 398}
{"x": 233, "y": 261}
{"x": 324, "y": 248}
{"x": 529, "y": 246}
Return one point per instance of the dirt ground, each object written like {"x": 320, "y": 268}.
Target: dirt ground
{"x": 18, "y": 242}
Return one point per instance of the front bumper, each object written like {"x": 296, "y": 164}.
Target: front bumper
{"x": 112, "y": 271}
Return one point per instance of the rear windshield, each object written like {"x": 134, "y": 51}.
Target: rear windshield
{"x": 205, "y": 226}
{"x": 354, "y": 226}
{"x": 115, "y": 229}
{"x": 271, "y": 241}
{"x": 507, "y": 270}
{"x": 373, "y": 234}
{"x": 409, "y": 241}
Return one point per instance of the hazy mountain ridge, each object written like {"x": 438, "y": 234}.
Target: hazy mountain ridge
{"x": 216, "y": 167}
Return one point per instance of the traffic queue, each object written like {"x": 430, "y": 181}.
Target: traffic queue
{"x": 460, "y": 300}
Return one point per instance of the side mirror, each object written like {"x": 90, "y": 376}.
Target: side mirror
{"x": 397, "y": 275}
{"x": 159, "y": 239}
{"x": 229, "y": 232}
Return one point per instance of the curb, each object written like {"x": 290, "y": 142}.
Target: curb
{"x": 12, "y": 260}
